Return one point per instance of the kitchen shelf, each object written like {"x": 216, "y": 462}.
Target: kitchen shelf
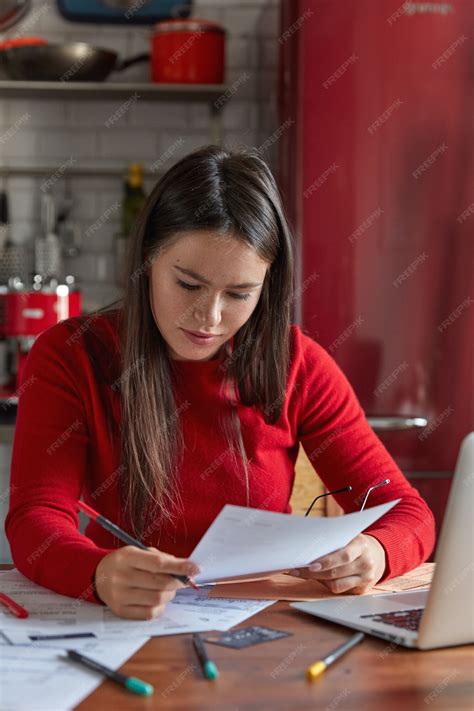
{"x": 81, "y": 172}
{"x": 99, "y": 91}
{"x": 113, "y": 90}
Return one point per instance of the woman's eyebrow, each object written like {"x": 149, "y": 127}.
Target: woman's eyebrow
{"x": 197, "y": 276}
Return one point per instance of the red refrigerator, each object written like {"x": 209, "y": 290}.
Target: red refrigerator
{"x": 376, "y": 168}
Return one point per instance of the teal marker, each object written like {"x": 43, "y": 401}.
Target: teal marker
{"x": 208, "y": 667}
{"x": 137, "y": 686}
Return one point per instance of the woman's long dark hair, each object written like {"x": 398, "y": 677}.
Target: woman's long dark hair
{"x": 233, "y": 193}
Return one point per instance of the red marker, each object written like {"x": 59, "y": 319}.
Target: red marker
{"x": 125, "y": 537}
{"x": 13, "y": 606}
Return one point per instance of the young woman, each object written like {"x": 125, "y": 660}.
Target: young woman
{"x": 195, "y": 393}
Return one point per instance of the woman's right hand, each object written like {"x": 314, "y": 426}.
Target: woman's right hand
{"x": 135, "y": 583}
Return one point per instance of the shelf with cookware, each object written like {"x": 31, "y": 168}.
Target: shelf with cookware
{"x": 186, "y": 62}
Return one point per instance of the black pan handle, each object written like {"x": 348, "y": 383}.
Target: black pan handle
{"x": 125, "y": 63}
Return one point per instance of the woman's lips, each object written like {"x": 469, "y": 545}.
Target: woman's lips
{"x": 199, "y": 340}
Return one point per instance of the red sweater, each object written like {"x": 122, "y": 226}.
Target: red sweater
{"x": 65, "y": 447}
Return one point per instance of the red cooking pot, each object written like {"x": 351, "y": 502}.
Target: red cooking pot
{"x": 188, "y": 52}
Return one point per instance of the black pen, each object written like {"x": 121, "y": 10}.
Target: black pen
{"x": 137, "y": 686}
{"x": 73, "y": 635}
{"x": 209, "y": 669}
{"x": 125, "y": 537}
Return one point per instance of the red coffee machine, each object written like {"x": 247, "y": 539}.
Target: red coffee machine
{"x": 26, "y": 311}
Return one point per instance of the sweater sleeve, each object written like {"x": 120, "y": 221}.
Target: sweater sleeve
{"x": 49, "y": 464}
{"x": 343, "y": 450}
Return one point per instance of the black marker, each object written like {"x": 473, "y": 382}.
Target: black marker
{"x": 129, "y": 682}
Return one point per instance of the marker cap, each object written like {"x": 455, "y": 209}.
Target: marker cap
{"x": 315, "y": 670}
{"x": 210, "y": 670}
{"x": 138, "y": 686}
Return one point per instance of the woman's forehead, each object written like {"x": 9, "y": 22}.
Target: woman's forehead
{"x": 201, "y": 250}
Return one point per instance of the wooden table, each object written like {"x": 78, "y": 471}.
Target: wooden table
{"x": 375, "y": 675}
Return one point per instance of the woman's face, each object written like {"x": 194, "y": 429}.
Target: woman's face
{"x": 204, "y": 282}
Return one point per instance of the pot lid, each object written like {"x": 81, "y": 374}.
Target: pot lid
{"x": 191, "y": 25}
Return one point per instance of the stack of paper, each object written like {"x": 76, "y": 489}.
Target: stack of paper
{"x": 53, "y": 614}
{"x": 40, "y": 678}
{"x": 32, "y": 649}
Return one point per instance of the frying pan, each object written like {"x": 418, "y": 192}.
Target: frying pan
{"x": 72, "y": 61}
{"x": 11, "y": 11}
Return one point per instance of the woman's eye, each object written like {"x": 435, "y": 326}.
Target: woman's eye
{"x": 191, "y": 287}
{"x": 241, "y": 297}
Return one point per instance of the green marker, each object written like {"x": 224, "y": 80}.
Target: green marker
{"x": 137, "y": 686}
{"x": 208, "y": 667}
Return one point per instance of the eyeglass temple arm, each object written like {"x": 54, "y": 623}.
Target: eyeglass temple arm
{"x": 376, "y": 486}
{"x": 329, "y": 493}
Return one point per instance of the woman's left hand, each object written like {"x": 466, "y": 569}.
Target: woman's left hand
{"x": 355, "y": 568}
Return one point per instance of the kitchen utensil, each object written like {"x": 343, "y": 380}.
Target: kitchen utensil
{"x": 68, "y": 231}
{"x": 13, "y": 257}
{"x": 188, "y": 51}
{"x": 123, "y": 11}
{"x": 48, "y": 261}
{"x": 71, "y": 61}
{"x": 14, "y": 263}
{"x": 11, "y": 12}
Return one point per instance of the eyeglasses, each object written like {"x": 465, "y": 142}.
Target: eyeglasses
{"x": 349, "y": 488}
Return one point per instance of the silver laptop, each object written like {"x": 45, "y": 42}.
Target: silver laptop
{"x": 442, "y": 616}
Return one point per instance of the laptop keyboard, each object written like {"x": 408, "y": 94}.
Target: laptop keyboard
{"x": 407, "y": 619}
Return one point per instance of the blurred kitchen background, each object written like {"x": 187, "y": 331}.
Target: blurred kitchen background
{"x": 69, "y": 135}
{"x": 363, "y": 108}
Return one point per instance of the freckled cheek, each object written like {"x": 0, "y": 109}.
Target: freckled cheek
{"x": 181, "y": 309}
{"x": 168, "y": 305}
{"x": 241, "y": 313}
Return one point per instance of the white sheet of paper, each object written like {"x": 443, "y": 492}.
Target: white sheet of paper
{"x": 39, "y": 678}
{"x": 244, "y": 541}
{"x": 189, "y": 611}
{"x": 47, "y": 609}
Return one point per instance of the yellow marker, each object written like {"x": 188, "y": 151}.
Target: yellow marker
{"x": 317, "y": 668}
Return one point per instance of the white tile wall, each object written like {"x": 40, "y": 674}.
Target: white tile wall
{"x": 58, "y": 130}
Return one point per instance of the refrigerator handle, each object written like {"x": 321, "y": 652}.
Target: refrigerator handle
{"x": 384, "y": 424}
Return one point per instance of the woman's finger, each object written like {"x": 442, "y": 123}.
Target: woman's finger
{"x": 342, "y": 585}
{"x": 149, "y": 581}
{"x": 140, "y": 612}
{"x": 138, "y": 596}
{"x": 155, "y": 561}
{"x": 317, "y": 569}
{"x": 342, "y": 571}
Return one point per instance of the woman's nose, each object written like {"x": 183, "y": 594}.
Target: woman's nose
{"x": 209, "y": 313}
